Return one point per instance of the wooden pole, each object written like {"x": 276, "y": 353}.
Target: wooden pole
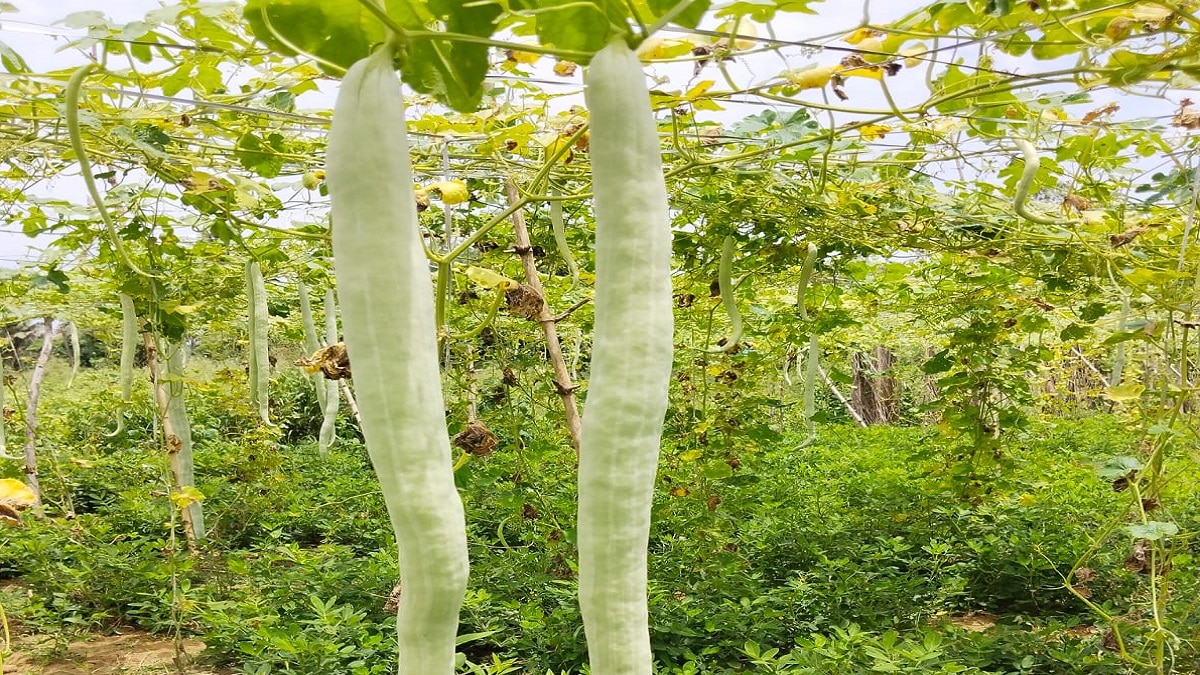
{"x": 562, "y": 376}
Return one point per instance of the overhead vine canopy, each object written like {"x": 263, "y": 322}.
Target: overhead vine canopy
{"x": 1050, "y": 137}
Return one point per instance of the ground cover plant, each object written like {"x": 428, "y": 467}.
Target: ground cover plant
{"x": 608, "y": 338}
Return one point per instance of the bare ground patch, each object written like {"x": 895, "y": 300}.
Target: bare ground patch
{"x": 129, "y": 653}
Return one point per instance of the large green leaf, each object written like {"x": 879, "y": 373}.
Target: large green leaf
{"x": 688, "y": 17}
{"x": 579, "y": 26}
{"x": 336, "y": 32}
{"x": 339, "y": 32}
{"x": 453, "y": 70}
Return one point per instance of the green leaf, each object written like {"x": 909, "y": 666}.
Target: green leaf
{"x": 1125, "y": 392}
{"x": 1153, "y": 530}
{"x": 1074, "y": 331}
{"x": 261, "y": 155}
{"x": 1119, "y": 467}
{"x": 11, "y": 60}
{"x": 141, "y": 52}
{"x": 762, "y": 12}
{"x": 85, "y": 19}
{"x": 336, "y": 32}
{"x": 1093, "y": 311}
{"x": 688, "y": 18}
{"x": 938, "y": 363}
{"x": 716, "y": 470}
{"x": 177, "y": 81}
{"x": 580, "y": 27}
{"x": 284, "y": 101}
{"x": 453, "y": 71}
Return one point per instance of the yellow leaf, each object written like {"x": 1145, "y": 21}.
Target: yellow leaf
{"x": 15, "y": 493}
{"x": 1125, "y": 392}
{"x": 744, "y": 29}
{"x": 553, "y": 142}
{"x": 692, "y": 455}
{"x": 564, "y": 68}
{"x": 1026, "y": 500}
{"x": 699, "y": 89}
{"x": 451, "y": 191}
{"x": 522, "y": 57}
{"x": 679, "y": 491}
{"x": 910, "y": 55}
{"x": 489, "y": 279}
{"x": 811, "y": 78}
{"x": 706, "y": 104}
{"x": 871, "y": 48}
{"x": 873, "y": 132}
{"x": 187, "y": 496}
{"x": 862, "y": 34}
{"x": 1149, "y": 12}
{"x": 660, "y": 49}
{"x": 1119, "y": 28}
{"x": 871, "y": 73}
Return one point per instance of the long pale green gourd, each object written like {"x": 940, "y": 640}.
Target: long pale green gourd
{"x": 129, "y": 338}
{"x": 73, "y": 338}
{"x": 260, "y": 363}
{"x": 251, "y": 348}
{"x": 1118, "y": 368}
{"x": 810, "y": 263}
{"x": 560, "y": 238}
{"x": 3, "y": 444}
{"x": 329, "y": 408}
{"x": 728, "y": 297}
{"x": 311, "y": 342}
{"x": 1025, "y": 184}
{"x": 632, "y": 351}
{"x": 812, "y": 365}
{"x": 388, "y": 322}
{"x": 177, "y": 412}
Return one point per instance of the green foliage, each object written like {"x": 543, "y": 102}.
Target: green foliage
{"x": 846, "y": 554}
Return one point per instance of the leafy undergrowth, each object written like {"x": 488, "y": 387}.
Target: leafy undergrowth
{"x": 852, "y": 555}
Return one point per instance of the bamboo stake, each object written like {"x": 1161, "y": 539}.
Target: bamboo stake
{"x": 562, "y": 376}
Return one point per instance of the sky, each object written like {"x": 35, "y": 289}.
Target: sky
{"x": 32, "y": 32}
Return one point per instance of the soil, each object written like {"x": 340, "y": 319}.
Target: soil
{"x": 130, "y": 652}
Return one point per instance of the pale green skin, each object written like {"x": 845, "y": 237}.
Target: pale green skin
{"x": 177, "y": 412}
{"x": 129, "y": 336}
{"x": 260, "y": 363}
{"x": 311, "y": 344}
{"x": 388, "y": 322}
{"x": 3, "y": 444}
{"x": 73, "y": 336}
{"x": 332, "y": 398}
{"x": 631, "y": 364}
